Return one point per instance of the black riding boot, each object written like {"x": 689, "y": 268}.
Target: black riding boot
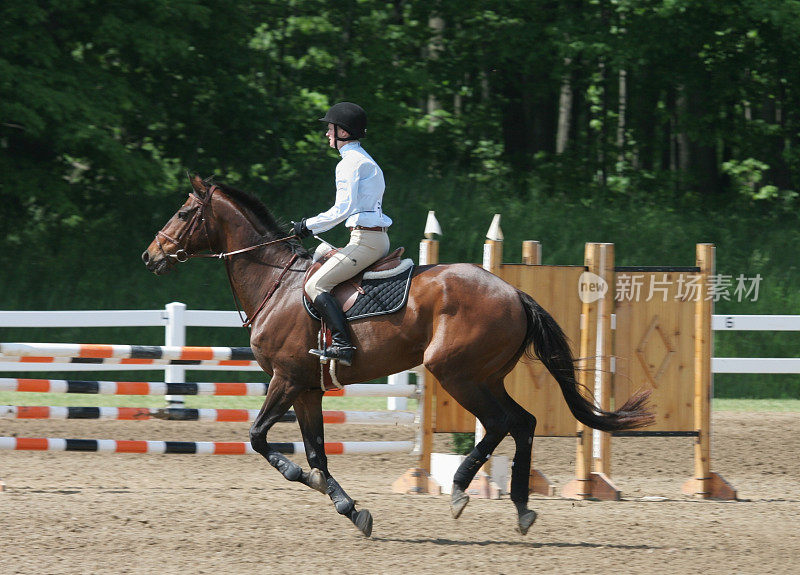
{"x": 342, "y": 348}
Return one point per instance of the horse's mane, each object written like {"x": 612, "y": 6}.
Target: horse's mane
{"x": 257, "y": 207}
{"x": 276, "y": 228}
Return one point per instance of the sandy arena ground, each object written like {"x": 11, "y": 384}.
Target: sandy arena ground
{"x": 105, "y": 513}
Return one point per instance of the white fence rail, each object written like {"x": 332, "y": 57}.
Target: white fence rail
{"x": 755, "y": 364}
{"x": 756, "y": 322}
{"x": 175, "y": 318}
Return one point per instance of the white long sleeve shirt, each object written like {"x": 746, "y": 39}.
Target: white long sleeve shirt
{"x": 359, "y": 193}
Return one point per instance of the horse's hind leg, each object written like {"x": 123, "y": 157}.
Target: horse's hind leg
{"x": 522, "y": 427}
{"x": 308, "y": 408}
{"x": 476, "y": 399}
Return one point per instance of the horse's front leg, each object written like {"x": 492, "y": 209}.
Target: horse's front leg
{"x": 280, "y": 397}
{"x": 308, "y": 408}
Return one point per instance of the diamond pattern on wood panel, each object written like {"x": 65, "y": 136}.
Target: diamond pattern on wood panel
{"x": 653, "y": 339}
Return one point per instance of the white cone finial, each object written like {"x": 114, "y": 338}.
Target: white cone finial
{"x": 495, "y": 233}
{"x": 432, "y": 226}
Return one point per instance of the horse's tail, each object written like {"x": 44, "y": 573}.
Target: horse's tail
{"x": 546, "y": 341}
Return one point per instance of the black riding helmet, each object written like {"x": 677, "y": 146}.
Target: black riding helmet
{"x": 349, "y": 116}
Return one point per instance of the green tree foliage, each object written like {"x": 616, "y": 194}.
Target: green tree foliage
{"x": 101, "y": 102}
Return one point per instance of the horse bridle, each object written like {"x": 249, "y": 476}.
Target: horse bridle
{"x": 181, "y": 255}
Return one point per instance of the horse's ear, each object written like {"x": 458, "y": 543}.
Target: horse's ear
{"x": 197, "y": 184}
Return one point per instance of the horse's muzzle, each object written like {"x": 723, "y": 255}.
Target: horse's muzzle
{"x": 156, "y": 265}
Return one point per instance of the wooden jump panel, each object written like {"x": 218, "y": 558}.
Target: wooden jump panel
{"x": 654, "y": 344}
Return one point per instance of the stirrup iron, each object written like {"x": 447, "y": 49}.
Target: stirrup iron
{"x": 324, "y": 356}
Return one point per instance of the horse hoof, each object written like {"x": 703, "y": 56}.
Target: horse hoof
{"x": 526, "y": 519}
{"x": 316, "y": 480}
{"x": 363, "y": 521}
{"x": 458, "y": 501}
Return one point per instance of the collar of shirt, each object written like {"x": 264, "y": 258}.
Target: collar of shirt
{"x": 348, "y": 146}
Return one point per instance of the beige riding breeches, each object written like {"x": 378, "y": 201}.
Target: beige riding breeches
{"x": 364, "y": 248}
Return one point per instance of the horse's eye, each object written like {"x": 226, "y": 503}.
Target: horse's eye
{"x": 184, "y": 214}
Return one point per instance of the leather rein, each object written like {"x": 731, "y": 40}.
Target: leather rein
{"x": 181, "y": 255}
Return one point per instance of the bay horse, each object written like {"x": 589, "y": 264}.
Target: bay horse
{"x": 468, "y": 327}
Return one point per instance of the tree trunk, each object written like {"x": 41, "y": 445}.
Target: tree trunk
{"x": 680, "y": 160}
{"x": 622, "y": 110}
{"x": 602, "y": 172}
{"x": 622, "y": 106}
{"x": 564, "y": 109}
{"x": 436, "y": 24}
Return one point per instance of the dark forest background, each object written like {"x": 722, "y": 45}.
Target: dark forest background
{"x": 651, "y": 124}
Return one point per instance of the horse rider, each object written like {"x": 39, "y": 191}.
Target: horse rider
{"x": 359, "y": 193}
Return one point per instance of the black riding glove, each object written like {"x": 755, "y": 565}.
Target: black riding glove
{"x": 300, "y": 229}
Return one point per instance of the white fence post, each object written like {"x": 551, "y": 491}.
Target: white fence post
{"x": 175, "y": 334}
{"x": 397, "y": 403}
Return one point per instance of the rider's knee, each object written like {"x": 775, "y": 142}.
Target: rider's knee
{"x": 312, "y": 288}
